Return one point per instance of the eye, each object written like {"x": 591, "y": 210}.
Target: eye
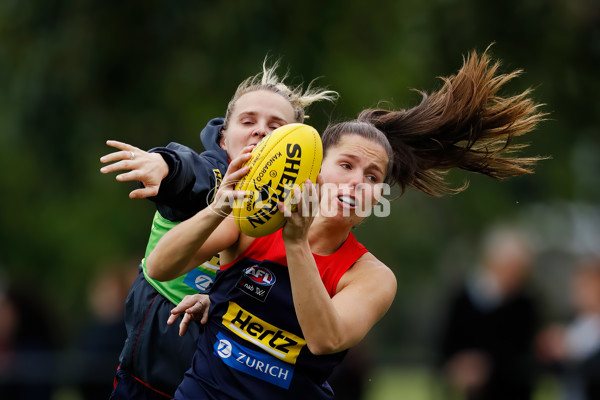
{"x": 372, "y": 178}
{"x": 346, "y": 166}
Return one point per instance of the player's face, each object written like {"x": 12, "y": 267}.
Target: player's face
{"x": 255, "y": 115}
{"x": 353, "y": 172}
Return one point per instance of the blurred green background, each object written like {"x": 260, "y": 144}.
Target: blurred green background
{"x": 76, "y": 73}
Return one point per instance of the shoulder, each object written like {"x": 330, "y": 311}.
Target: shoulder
{"x": 371, "y": 264}
{"x": 369, "y": 271}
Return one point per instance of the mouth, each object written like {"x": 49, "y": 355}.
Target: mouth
{"x": 347, "y": 201}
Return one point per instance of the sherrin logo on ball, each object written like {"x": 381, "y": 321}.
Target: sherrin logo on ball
{"x": 283, "y": 160}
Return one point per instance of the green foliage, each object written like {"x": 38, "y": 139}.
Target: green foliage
{"x": 74, "y": 74}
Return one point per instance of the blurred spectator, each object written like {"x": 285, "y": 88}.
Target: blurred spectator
{"x": 101, "y": 341}
{"x": 27, "y": 344}
{"x": 574, "y": 350}
{"x": 487, "y": 340}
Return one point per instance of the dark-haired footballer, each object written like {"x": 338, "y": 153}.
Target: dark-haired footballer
{"x": 284, "y": 308}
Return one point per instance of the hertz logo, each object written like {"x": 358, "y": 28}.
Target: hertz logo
{"x": 279, "y": 343}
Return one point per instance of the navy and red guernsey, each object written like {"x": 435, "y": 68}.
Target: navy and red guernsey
{"x": 252, "y": 346}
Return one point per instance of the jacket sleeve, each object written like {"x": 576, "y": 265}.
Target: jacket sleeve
{"x": 191, "y": 183}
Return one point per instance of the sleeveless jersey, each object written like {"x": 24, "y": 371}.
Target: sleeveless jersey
{"x": 252, "y": 346}
{"x": 197, "y": 280}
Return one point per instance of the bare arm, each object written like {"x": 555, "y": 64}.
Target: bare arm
{"x": 190, "y": 243}
{"x": 364, "y": 294}
{"x": 208, "y": 232}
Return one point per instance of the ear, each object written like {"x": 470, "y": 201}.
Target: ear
{"x": 222, "y": 140}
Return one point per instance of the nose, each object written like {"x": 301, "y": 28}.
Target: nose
{"x": 355, "y": 179}
{"x": 260, "y": 131}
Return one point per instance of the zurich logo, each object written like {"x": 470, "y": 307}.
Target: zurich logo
{"x": 224, "y": 348}
{"x": 260, "y": 275}
{"x": 203, "y": 282}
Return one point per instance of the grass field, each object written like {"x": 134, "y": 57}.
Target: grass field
{"x": 395, "y": 384}
{"x": 420, "y": 384}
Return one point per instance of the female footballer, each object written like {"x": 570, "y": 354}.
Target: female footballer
{"x": 320, "y": 290}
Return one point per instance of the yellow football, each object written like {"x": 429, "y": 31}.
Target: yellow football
{"x": 284, "y": 159}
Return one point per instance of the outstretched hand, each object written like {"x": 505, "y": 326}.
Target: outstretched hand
{"x": 194, "y": 308}
{"x": 148, "y": 168}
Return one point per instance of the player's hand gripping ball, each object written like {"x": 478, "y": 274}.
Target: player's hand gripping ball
{"x": 284, "y": 159}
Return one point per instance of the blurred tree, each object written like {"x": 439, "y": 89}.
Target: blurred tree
{"x": 73, "y": 74}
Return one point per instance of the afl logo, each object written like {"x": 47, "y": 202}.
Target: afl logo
{"x": 260, "y": 275}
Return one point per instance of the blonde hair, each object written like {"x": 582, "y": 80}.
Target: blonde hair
{"x": 269, "y": 80}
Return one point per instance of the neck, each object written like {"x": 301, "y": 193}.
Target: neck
{"x": 326, "y": 236}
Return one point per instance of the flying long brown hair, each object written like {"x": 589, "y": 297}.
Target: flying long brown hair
{"x": 466, "y": 124}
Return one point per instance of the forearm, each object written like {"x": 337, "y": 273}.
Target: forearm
{"x": 174, "y": 253}
{"x": 190, "y": 183}
{"x": 321, "y": 323}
